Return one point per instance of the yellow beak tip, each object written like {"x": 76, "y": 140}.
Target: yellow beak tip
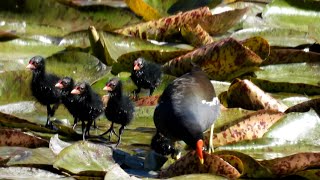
{"x": 202, "y": 161}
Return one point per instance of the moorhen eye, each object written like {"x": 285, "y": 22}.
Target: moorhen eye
{"x": 119, "y": 108}
{"x": 147, "y": 76}
{"x": 43, "y": 86}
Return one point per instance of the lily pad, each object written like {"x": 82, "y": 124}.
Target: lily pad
{"x": 196, "y": 36}
{"x": 245, "y": 94}
{"x": 305, "y": 106}
{"x": 13, "y": 137}
{"x": 7, "y": 36}
{"x": 190, "y": 164}
{"x": 222, "y": 60}
{"x": 28, "y": 173}
{"x": 141, "y": 8}
{"x": 91, "y": 159}
{"x": 252, "y": 126}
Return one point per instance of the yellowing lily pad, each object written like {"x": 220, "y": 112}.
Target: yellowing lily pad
{"x": 141, "y": 8}
{"x": 196, "y": 36}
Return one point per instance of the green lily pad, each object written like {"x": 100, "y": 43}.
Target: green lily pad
{"x": 28, "y": 173}
{"x": 90, "y": 159}
{"x": 7, "y": 36}
{"x": 20, "y": 156}
{"x": 121, "y": 50}
{"x": 222, "y": 60}
{"x": 300, "y": 88}
{"x": 13, "y": 137}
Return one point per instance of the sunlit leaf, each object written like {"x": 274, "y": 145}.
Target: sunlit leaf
{"x": 258, "y": 45}
{"x": 12, "y": 137}
{"x": 252, "y": 126}
{"x": 301, "y": 88}
{"x": 245, "y": 94}
{"x": 116, "y": 172}
{"x": 222, "y": 60}
{"x": 90, "y": 159}
{"x": 81, "y": 3}
{"x": 141, "y": 8}
{"x": 196, "y": 36}
{"x": 190, "y": 164}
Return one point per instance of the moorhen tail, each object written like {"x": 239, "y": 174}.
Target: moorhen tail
{"x": 89, "y": 106}
{"x": 187, "y": 107}
{"x": 42, "y": 86}
{"x": 145, "y": 75}
{"x": 119, "y": 108}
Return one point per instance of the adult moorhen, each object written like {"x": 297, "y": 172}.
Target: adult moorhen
{"x": 119, "y": 108}
{"x": 187, "y": 107}
{"x": 42, "y": 86}
{"x": 89, "y": 106}
{"x": 145, "y": 75}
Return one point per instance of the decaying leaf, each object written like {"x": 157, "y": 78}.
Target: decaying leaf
{"x": 249, "y": 127}
{"x": 7, "y": 36}
{"x": 141, "y": 8}
{"x": 291, "y": 164}
{"x": 258, "y": 45}
{"x": 196, "y": 36}
{"x": 275, "y": 87}
{"x": 190, "y": 164}
{"x": 284, "y": 56}
{"x": 14, "y": 137}
{"x": 305, "y": 106}
{"x": 222, "y": 60}
{"x": 166, "y": 27}
{"x": 245, "y": 94}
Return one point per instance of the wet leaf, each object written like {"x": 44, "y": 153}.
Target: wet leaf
{"x": 190, "y": 164}
{"x": 28, "y": 173}
{"x": 196, "y": 36}
{"x": 56, "y": 145}
{"x": 284, "y": 56}
{"x": 121, "y": 51}
{"x": 291, "y": 164}
{"x": 222, "y": 60}
{"x": 245, "y": 94}
{"x": 300, "y": 15}
{"x": 300, "y": 88}
{"x": 7, "y": 36}
{"x": 20, "y": 156}
{"x": 249, "y": 127}
{"x": 305, "y": 106}
{"x": 141, "y": 8}
{"x": 14, "y": 137}
{"x": 81, "y": 3}
{"x": 116, "y": 172}
{"x": 91, "y": 159}
{"x": 251, "y": 167}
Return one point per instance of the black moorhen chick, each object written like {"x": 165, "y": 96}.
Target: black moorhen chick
{"x": 89, "y": 106}
{"x": 119, "y": 109}
{"x": 42, "y": 86}
{"x": 66, "y": 85}
{"x": 187, "y": 107}
{"x": 163, "y": 145}
{"x": 145, "y": 75}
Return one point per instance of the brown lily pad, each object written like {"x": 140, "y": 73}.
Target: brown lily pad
{"x": 190, "y": 164}
{"x": 222, "y": 60}
{"x": 285, "y": 56}
{"x": 14, "y": 137}
{"x": 147, "y": 101}
{"x": 196, "y": 36}
{"x": 249, "y": 127}
{"x": 7, "y": 36}
{"x": 291, "y": 164}
{"x": 245, "y": 94}
{"x": 305, "y": 106}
